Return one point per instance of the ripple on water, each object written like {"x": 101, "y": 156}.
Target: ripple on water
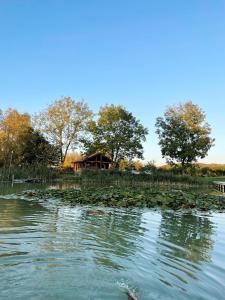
{"x": 54, "y": 251}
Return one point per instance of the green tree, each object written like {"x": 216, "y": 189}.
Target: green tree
{"x": 150, "y": 166}
{"x": 35, "y": 149}
{"x": 63, "y": 123}
{"x": 116, "y": 133}
{"x": 184, "y": 135}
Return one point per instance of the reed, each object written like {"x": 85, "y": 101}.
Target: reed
{"x": 40, "y": 172}
{"x": 127, "y": 178}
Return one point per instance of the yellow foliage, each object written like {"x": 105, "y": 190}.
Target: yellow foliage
{"x": 191, "y": 114}
{"x": 12, "y": 127}
{"x": 138, "y": 165}
{"x": 63, "y": 123}
{"x": 123, "y": 164}
{"x": 70, "y": 158}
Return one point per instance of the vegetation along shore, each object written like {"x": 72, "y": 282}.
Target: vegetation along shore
{"x": 134, "y": 197}
{"x": 41, "y": 148}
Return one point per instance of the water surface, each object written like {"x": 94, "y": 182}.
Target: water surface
{"x": 49, "y": 250}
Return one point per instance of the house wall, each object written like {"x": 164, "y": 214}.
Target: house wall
{"x": 90, "y": 165}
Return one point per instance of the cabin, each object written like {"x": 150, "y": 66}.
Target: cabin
{"x": 94, "y": 161}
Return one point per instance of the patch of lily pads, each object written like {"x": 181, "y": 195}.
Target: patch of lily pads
{"x": 134, "y": 197}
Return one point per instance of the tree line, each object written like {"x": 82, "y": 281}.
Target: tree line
{"x": 49, "y": 136}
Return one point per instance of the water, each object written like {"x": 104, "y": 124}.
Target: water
{"x": 54, "y": 251}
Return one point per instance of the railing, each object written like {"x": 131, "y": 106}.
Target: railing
{"x": 219, "y": 186}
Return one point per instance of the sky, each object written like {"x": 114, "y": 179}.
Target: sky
{"x": 143, "y": 54}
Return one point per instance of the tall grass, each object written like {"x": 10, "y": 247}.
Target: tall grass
{"x": 42, "y": 173}
{"x": 127, "y": 178}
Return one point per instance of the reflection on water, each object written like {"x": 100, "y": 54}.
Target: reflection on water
{"x": 13, "y": 188}
{"x": 108, "y": 235}
{"x": 61, "y": 252}
{"x": 115, "y": 233}
{"x": 184, "y": 243}
{"x": 15, "y": 215}
{"x": 191, "y": 234}
{"x": 9, "y": 188}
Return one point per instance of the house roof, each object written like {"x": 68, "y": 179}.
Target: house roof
{"x": 87, "y": 158}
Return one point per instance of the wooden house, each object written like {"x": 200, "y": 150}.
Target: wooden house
{"x": 94, "y": 161}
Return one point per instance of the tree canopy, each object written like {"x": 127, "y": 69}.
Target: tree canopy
{"x": 63, "y": 123}
{"x": 66, "y": 124}
{"x": 116, "y": 133}
{"x": 13, "y": 125}
{"x": 35, "y": 149}
{"x": 184, "y": 135}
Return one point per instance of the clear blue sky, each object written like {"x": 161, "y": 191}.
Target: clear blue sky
{"x": 142, "y": 54}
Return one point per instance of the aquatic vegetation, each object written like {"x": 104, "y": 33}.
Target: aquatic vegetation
{"x": 134, "y": 197}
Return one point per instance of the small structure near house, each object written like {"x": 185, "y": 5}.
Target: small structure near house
{"x": 94, "y": 161}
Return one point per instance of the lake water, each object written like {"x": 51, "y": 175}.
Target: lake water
{"x": 49, "y": 250}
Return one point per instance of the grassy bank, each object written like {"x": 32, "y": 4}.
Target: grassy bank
{"x": 125, "y": 178}
{"x": 133, "y": 197}
{"x": 106, "y": 177}
{"x": 29, "y": 172}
